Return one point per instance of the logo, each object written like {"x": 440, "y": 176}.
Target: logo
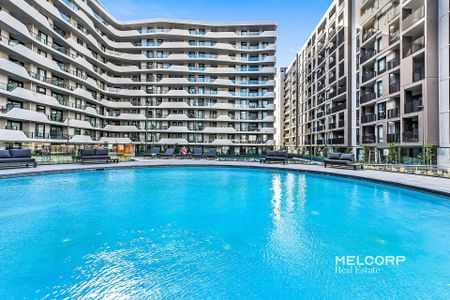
{"x": 352, "y": 264}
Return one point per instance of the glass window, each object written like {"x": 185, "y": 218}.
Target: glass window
{"x": 378, "y": 44}
{"x": 379, "y": 88}
{"x": 380, "y": 133}
{"x": 381, "y": 65}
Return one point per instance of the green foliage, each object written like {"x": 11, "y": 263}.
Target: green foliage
{"x": 368, "y": 154}
{"x": 393, "y": 154}
{"x": 429, "y": 155}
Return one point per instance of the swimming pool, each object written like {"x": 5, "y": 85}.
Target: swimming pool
{"x": 203, "y": 232}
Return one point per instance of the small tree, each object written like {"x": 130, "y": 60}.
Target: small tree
{"x": 429, "y": 155}
{"x": 325, "y": 152}
{"x": 393, "y": 154}
{"x": 367, "y": 154}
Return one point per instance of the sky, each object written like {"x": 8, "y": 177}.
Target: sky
{"x": 296, "y": 19}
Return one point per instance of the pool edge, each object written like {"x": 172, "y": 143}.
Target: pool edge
{"x": 327, "y": 172}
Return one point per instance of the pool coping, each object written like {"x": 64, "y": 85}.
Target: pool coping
{"x": 430, "y": 185}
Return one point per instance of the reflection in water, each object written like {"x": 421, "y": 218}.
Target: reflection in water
{"x": 301, "y": 191}
{"x": 288, "y": 238}
{"x": 276, "y": 198}
{"x": 289, "y": 184}
{"x": 291, "y": 199}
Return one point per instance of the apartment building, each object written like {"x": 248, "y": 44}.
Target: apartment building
{"x": 317, "y": 102}
{"x": 398, "y": 75}
{"x": 289, "y": 131}
{"x": 279, "y": 104}
{"x": 72, "y": 74}
{"x": 374, "y": 84}
{"x": 444, "y": 83}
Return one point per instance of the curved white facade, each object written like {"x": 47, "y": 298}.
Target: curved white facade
{"x": 71, "y": 73}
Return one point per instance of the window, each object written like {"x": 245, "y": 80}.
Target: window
{"x": 40, "y": 131}
{"x": 41, "y": 90}
{"x": 378, "y": 45}
{"x": 381, "y": 65}
{"x": 379, "y": 88}
{"x": 14, "y": 125}
{"x": 381, "y": 111}
{"x": 40, "y": 52}
{"x": 40, "y": 108}
{"x": 380, "y": 133}
{"x": 14, "y": 104}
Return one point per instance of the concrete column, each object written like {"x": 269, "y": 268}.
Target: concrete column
{"x": 444, "y": 101}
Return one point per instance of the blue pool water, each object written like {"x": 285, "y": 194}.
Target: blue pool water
{"x": 217, "y": 233}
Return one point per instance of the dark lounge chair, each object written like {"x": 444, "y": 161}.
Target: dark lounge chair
{"x": 276, "y": 156}
{"x": 211, "y": 153}
{"x": 170, "y": 152}
{"x": 95, "y": 155}
{"x": 198, "y": 153}
{"x": 17, "y": 157}
{"x": 155, "y": 151}
{"x": 341, "y": 159}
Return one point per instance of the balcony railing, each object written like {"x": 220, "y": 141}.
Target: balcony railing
{"x": 394, "y": 37}
{"x": 392, "y": 14}
{"x": 393, "y": 137}
{"x": 368, "y": 75}
{"x": 338, "y": 107}
{"x": 393, "y": 113}
{"x": 418, "y": 74}
{"x": 367, "y": 97}
{"x": 336, "y": 141}
{"x": 393, "y": 63}
{"x": 413, "y": 106}
{"x": 414, "y": 17}
{"x": 413, "y": 47}
{"x": 367, "y": 118}
{"x": 368, "y": 34}
{"x": 368, "y": 139}
{"x": 394, "y": 87}
{"x": 410, "y": 136}
{"x": 367, "y": 55}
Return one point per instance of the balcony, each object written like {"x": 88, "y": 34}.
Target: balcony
{"x": 394, "y": 87}
{"x": 393, "y": 113}
{"x": 367, "y": 55}
{"x": 342, "y": 89}
{"x": 367, "y": 97}
{"x": 418, "y": 74}
{"x": 393, "y": 63}
{"x": 413, "y": 47}
{"x": 393, "y": 137}
{"x": 394, "y": 37}
{"x": 367, "y": 118}
{"x": 336, "y": 141}
{"x": 368, "y": 34}
{"x": 413, "y": 106}
{"x": 368, "y": 75}
{"x": 392, "y": 13}
{"x": 415, "y": 16}
{"x": 410, "y": 136}
{"x": 339, "y": 107}
{"x": 368, "y": 139}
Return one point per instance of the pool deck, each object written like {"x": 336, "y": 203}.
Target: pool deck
{"x": 428, "y": 184}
